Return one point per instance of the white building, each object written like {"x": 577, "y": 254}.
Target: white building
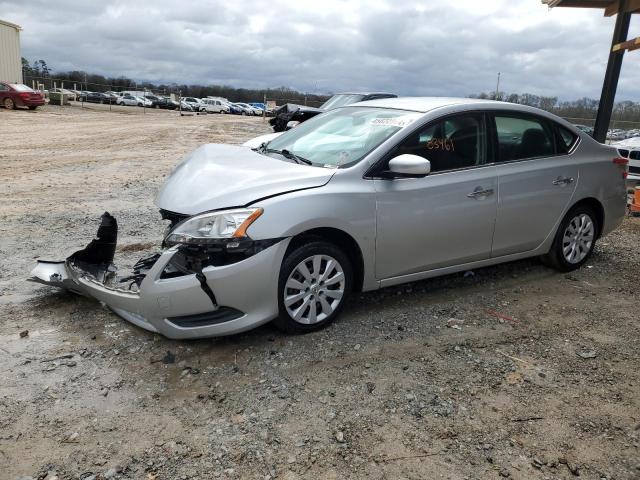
{"x": 10, "y": 56}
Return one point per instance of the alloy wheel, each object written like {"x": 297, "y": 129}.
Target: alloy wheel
{"x": 578, "y": 237}
{"x": 314, "y": 289}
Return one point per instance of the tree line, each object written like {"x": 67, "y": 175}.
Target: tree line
{"x": 583, "y": 108}
{"x": 39, "y": 72}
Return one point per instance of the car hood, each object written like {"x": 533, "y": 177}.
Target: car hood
{"x": 220, "y": 176}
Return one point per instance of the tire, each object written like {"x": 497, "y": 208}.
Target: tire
{"x": 574, "y": 241}
{"x": 324, "y": 301}
{"x": 32, "y": 107}
{"x": 9, "y": 104}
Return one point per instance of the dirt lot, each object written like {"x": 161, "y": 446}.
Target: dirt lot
{"x": 539, "y": 379}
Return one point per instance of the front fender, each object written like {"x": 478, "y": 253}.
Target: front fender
{"x": 343, "y": 204}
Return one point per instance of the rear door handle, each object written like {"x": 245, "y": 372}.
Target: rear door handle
{"x": 480, "y": 192}
{"x": 563, "y": 181}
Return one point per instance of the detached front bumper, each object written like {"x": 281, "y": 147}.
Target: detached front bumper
{"x": 218, "y": 300}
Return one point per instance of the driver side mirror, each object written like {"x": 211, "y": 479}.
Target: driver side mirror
{"x": 408, "y": 166}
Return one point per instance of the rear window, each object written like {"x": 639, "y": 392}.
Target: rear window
{"x": 523, "y": 137}
{"x": 20, "y": 87}
{"x": 567, "y": 139}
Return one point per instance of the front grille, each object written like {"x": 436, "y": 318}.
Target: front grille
{"x": 221, "y": 315}
{"x": 634, "y": 170}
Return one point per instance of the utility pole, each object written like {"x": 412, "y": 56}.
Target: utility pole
{"x": 495, "y": 97}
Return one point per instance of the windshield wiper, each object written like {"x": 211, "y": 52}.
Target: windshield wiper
{"x": 288, "y": 154}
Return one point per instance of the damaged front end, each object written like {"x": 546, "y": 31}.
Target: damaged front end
{"x": 188, "y": 290}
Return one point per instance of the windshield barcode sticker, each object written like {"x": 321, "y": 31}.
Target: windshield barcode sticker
{"x": 399, "y": 122}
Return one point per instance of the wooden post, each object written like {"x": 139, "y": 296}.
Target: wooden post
{"x": 612, "y": 75}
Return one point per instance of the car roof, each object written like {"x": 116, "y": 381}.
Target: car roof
{"x": 426, "y": 104}
{"x": 364, "y": 93}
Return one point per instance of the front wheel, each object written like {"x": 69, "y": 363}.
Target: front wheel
{"x": 314, "y": 283}
{"x": 574, "y": 241}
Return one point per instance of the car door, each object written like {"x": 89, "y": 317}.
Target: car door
{"x": 536, "y": 180}
{"x": 443, "y": 219}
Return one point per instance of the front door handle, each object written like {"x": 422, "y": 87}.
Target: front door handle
{"x": 480, "y": 192}
{"x": 563, "y": 181}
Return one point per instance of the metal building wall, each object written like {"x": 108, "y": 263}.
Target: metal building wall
{"x": 10, "y": 56}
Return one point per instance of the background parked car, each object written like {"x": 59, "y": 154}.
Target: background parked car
{"x": 212, "y": 105}
{"x": 14, "y": 95}
{"x": 96, "y": 97}
{"x": 246, "y": 109}
{"x": 167, "y": 104}
{"x": 585, "y": 129}
{"x": 127, "y": 99}
{"x": 195, "y": 103}
{"x": 112, "y": 95}
{"x": 630, "y": 148}
{"x": 234, "y": 109}
{"x": 187, "y": 107}
{"x": 155, "y": 100}
{"x": 61, "y": 95}
{"x": 291, "y": 112}
{"x": 144, "y": 102}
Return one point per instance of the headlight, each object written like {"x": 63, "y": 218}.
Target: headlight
{"x": 212, "y": 226}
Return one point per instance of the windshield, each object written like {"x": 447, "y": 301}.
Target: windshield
{"x": 340, "y": 101}
{"x": 20, "y": 87}
{"x": 343, "y": 137}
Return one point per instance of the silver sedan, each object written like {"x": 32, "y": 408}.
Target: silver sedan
{"x": 358, "y": 198}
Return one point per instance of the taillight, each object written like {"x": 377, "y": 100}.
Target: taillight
{"x": 622, "y": 163}
{"x": 24, "y": 95}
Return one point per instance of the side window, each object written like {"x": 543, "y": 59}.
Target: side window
{"x": 449, "y": 144}
{"x": 567, "y": 139}
{"x": 3, "y": 88}
{"x": 523, "y": 137}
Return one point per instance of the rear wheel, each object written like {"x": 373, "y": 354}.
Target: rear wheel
{"x": 9, "y": 104}
{"x": 315, "y": 280}
{"x": 574, "y": 241}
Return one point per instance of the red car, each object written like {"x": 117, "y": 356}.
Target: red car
{"x": 14, "y": 95}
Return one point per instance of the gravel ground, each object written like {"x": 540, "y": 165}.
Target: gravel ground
{"x": 513, "y": 371}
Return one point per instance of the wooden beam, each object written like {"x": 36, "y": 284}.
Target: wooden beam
{"x": 633, "y": 44}
{"x": 614, "y": 8}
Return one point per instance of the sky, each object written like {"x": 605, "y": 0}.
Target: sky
{"x": 432, "y": 47}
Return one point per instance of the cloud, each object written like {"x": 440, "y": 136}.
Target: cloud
{"x": 411, "y": 48}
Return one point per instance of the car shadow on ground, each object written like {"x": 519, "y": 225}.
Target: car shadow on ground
{"x": 86, "y": 314}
